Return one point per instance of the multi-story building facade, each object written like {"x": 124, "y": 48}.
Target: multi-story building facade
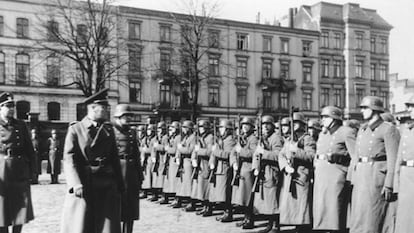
{"x": 400, "y": 91}
{"x": 353, "y": 52}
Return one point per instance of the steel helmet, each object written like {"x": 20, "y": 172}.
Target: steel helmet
{"x": 332, "y": 111}
{"x": 247, "y": 120}
{"x": 161, "y": 125}
{"x": 122, "y": 109}
{"x": 188, "y": 124}
{"x": 151, "y": 127}
{"x": 314, "y": 124}
{"x": 298, "y": 116}
{"x": 175, "y": 124}
{"x": 372, "y": 102}
{"x": 204, "y": 123}
{"x": 228, "y": 124}
{"x": 268, "y": 119}
{"x": 141, "y": 128}
{"x": 285, "y": 121}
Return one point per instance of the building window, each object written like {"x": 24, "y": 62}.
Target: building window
{"x": 384, "y": 45}
{"x": 372, "y": 71}
{"x": 135, "y": 92}
{"x": 242, "y": 41}
{"x": 213, "y": 66}
{"x": 325, "y": 39}
{"x": 324, "y": 97}
{"x": 214, "y": 39}
{"x": 134, "y": 60}
{"x": 165, "y": 94}
{"x": 337, "y": 41}
{"x": 306, "y": 48}
{"x": 373, "y": 92}
{"x": 267, "y": 99}
{"x": 53, "y": 111}
{"x": 213, "y": 96}
{"x": 373, "y": 41}
{"x": 284, "y": 69}
{"x": 241, "y": 97}
{"x": 22, "y": 109}
{"x": 284, "y": 46}
{"x": 241, "y": 71}
{"x": 358, "y": 69}
{"x": 383, "y": 72}
{"x": 267, "y": 44}
{"x": 359, "y": 40}
{"x": 22, "y": 69}
{"x": 2, "y": 68}
{"x": 165, "y": 61}
{"x": 307, "y": 72}
{"x": 165, "y": 33}
{"x": 338, "y": 97}
{"x": 360, "y": 93}
{"x": 325, "y": 67}
{"x": 81, "y": 32}
{"x": 337, "y": 68}
{"x": 307, "y": 100}
{"x": 52, "y": 30}
{"x": 1, "y": 26}
{"x": 384, "y": 98}
{"x": 22, "y": 28}
{"x": 53, "y": 71}
{"x": 284, "y": 100}
{"x": 134, "y": 30}
{"x": 267, "y": 69}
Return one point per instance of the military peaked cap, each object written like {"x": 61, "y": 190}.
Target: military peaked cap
{"x": 5, "y": 98}
{"x": 98, "y": 98}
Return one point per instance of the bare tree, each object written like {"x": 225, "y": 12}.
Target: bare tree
{"x": 196, "y": 42}
{"x": 85, "y": 33}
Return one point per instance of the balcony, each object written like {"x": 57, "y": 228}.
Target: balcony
{"x": 278, "y": 84}
{"x": 172, "y": 108}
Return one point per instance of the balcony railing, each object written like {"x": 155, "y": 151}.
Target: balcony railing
{"x": 278, "y": 84}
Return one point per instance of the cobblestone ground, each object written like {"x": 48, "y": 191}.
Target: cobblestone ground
{"x": 48, "y": 202}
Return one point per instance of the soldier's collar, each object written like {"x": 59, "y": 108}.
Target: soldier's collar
{"x": 334, "y": 128}
{"x": 375, "y": 124}
{"x": 4, "y": 123}
{"x": 87, "y": 122}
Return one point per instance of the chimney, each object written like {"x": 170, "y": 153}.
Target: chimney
{"x": 291, "y": 17}
{"x": 258, "y": 18}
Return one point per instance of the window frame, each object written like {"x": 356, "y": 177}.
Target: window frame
{"x": 325, "y": 68}
{"x": 212, "y": 92}
{"x": 241, "y": 68}
{"x": 25, "y": 67}
{"x": 165, "y": 60}
{"x": 359, "y": 69}
{"x": 241, "y": 97}
{"x": 2, "y": 67}
{"x": 53, "y": 116}
{"x": 165, "y": 94}
{"x": 22, "y": 27}
{"x": 132, "y": 26}
{"x": 134, "y": 60}
{"x": 284, "y": 46}
{"x": 267, "y": 68}
{"x": 214, "y": 66}
{"x": 325, "y": 96}
{"x": 359, "y": 40}
{"x": 1, "y": 25}
{"x": 373, "y": 70}
{"x": 165, "y": 33}
{"x": 325, "y": 39}
{"x": 242, "y": 41}
{"x": 135, "y": 92}
{"x": 284, "y": 100}
{"x": 285, "y": 70}
{"x": 53, "y": 72}
{"x": 267, "y": 44}
{"x": 383, "y": 70}
{"x": 337, "y": 97}
{"x": 307, "y": 74}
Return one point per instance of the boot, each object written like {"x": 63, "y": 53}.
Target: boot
{"x": 208, "y": 210}
{"x": 303, "y": 229}
{"x": 276, "y": 228}
{"x": 227, "y": 216}
{"x": 201, "y": 212}
{"x": 240, "y": 224}
{"x": 154, "y": 197}
{"x": 190, "y": 207}
{"x": 164, "y": 200}
{"x": 177, "y": 203}
{"x": 143, "y": 195}
{"x": 249, "y": 224}
{"x": 268, "y": 227}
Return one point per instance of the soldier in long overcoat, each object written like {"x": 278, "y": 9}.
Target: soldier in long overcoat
{"x": 130, "y": 164}
{"x": 243, "y": 154}
{"x": 55, "y": 157}
{"x": 266, "y": 170}
{"x": 145, "y": 151}
{"x": 374, "y": 164}
{"x": 17, "y": 166}
{"x": 37, "y": 156}
{"x": 158, "y": 159}
{"x": 183, "y": 158}
{"x": 335, "y": 148}
{"x": 220, "y": 190}
{"x": 93, "y": 173}
{"x": 170, "y": 166}
{"x": 404, "y": 175}
{"x": 295, "y": 161}
{"x": 199, "y": 160}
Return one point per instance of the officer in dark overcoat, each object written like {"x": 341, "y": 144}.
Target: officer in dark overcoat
{"x": 93, "y": 173}
{"x": 17, "y": 166}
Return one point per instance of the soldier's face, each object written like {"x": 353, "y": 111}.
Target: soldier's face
{"x": 125, "y": 119}
{"x": 296, "y": 126}
{"x": 285, "y": 129}
{"x": 149, "y": 132}
{"x": 7, "y": 110}
{"x": 326, "y": 121}
{"x": 222, "y": 130}
{"x": 246, "y": 128}
{"x": 140, "y": 134}
{"x": 185, "y": 130}
{"x": 100, "y": 111}
{"x": 201, "y": 129}
{"x": 267, "y": 128}
{"x": 366, "y": 113}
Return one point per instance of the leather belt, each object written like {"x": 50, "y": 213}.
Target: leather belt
{"x": 222, "y": 159}
{"x": 186, "y": 156}
{"x": 204, "y": 157}
{"x": 269, "y": 162}
{"x": 365, "y": 159}
{"x": 335, "y": 158}
{"x": 127, "y": 157}
{"x": 98, "y": 162}
{"x": 407, "y": 163}
{"x": 246, "y": 159}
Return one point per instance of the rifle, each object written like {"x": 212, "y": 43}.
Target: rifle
{"x": 196, "y": 170}
{"x": 157, "y": 158}
{"x": 258, "y": 181}
{"x": 212, "y": 175}
{"x": 167, "y": 158}
{"x": 236, "y": 179}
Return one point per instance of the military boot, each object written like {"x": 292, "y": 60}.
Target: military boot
{"x": 208, "y": 210}
{"x": 190, "y": 207}
{"x": 164, "y": 200}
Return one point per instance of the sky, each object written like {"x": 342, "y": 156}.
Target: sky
{"x": 399, "y": 13}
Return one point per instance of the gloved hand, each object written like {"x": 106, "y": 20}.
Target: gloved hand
{"x": 235, "y": 166}
{"x": 194, "y": 163}
{"x": 387, "y": 193}
{"x": 79, "y": 192}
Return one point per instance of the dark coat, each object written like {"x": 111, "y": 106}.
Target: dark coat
{"x": 91, "y": 161}
{"x": 368, "y": 210}
{"x": 241, "y": 194}
{"x": 55, "y": 156}
{"x": 331, "y": 195}
{"x": 131, "y": 171}
{"x": 17, "y": 165}
{"x": 296, "y": 190}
